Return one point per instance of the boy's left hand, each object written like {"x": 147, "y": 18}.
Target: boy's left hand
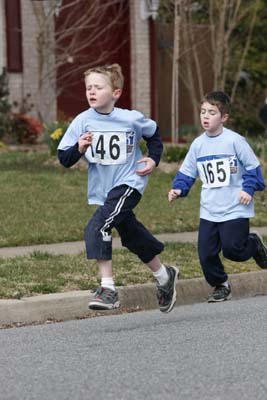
{"x": 244, "y": 198}
{"x": 150, "y": 165}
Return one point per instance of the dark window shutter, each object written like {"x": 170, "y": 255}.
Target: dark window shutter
{"x": 13, "y": 36}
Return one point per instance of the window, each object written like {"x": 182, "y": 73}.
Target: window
{"x": 13, "y": 36}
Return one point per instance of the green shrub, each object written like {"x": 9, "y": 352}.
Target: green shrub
{"x": 143, "y": 147}
{"x": 188, "y": 132}
{"x": 6, "y": 121}
{"x": 174, "y": 153}
{"x": 259, "y": 145}
{"x": 170, "y": 153}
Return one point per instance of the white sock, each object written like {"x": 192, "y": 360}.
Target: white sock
{"x": 108, "y": 283}
{"x": 226, "y": 284}
{"x": 161, "y": 275}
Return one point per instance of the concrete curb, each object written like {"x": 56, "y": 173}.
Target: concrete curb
{"x": 73, "y": 305}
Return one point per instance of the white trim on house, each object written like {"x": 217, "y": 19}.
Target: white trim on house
{"x": 2, "y": 36}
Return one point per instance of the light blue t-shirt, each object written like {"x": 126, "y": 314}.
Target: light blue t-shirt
{"x": 114, "y": 153}
{"x": 220, "y": 162}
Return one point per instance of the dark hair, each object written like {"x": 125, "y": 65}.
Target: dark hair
{"x": 219, "y": 99}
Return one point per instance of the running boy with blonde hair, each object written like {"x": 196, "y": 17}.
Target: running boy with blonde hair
{"x": 230, "y": 174}
{"x": 117, "y": 176}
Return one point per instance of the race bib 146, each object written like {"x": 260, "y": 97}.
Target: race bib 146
{"x": 107, "y": 148}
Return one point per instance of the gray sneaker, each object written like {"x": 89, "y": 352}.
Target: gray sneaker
{"x": 166, "y": 294}
{"x": 261, "y": 254}
{"x": 104, "y": 299}
{"x": 220, "y": 293}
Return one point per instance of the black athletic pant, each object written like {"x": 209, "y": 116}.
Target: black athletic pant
{"x": 230, "y": 237}
{"x": 117, "y": 213}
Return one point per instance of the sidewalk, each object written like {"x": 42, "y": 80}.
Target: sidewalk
{"x": 72, "y": 305}
{"x": 78, "y": 247}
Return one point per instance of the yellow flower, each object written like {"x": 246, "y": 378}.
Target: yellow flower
{"x": 56, "y": 134}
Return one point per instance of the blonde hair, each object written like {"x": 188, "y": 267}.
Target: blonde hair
{"x": 113, "y": 72}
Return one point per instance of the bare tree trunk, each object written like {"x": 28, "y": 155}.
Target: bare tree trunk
{"x": 175, "y": 76}
{"x": 46, "y": 91}
{"x": 189, "y": 62}
{"x": 199, "y": 79}
{"x": 224, "y": 17}
{"x": 246, "y": 49}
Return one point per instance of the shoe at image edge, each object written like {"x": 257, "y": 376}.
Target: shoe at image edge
{"x": 261, "y": 256}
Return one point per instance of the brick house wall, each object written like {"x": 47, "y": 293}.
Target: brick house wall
{"x": 27, "y": 81}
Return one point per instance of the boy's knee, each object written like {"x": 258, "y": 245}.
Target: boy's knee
{"x": 230, "y": 252}
{"x": 128, "y": 240}
{"x": 227, "y": 252}
{"x": 94, "y": 226}
{"x": 94, "y": 232}
{"x": 98, "y": 244}
{"x": 91, "y": 228}
{"x": 146, "y": 250}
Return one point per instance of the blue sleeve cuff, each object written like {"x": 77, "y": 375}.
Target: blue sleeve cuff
{"x": 183, "y": 182}
{"x": 253, "y": 181}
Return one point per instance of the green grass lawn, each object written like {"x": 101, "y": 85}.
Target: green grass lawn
{"x": 42, "y": 273}
{"x": 41, "y": 202}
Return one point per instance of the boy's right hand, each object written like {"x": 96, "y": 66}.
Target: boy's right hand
{"x": 173, "y": 194}
{"x": 84, "y": 142}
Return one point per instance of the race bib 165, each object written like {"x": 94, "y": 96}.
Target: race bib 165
{"x": 214, "y": 173}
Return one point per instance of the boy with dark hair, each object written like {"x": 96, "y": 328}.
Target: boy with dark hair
{"x": 230, "y": 174}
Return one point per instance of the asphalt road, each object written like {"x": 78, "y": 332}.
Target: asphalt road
{"x": 201, "y": 351}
